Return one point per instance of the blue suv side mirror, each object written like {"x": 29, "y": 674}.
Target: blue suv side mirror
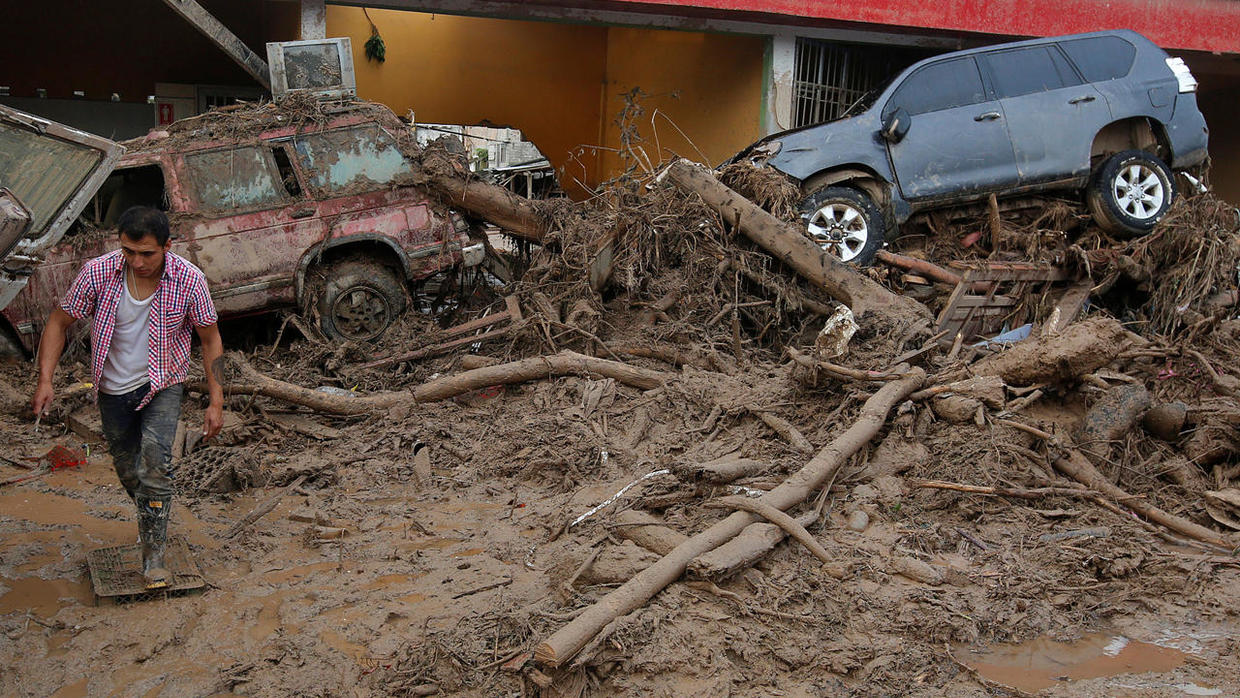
{"x": 895, "y": 125}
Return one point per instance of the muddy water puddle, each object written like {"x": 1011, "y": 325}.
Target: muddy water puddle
{"x": 43, "y": 597}
{"x": 1042, "y": 663}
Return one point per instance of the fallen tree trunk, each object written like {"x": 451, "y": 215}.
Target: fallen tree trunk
{"x": 252, "y": 382}
{"x": 666, "y": 354}
{"x": 786, "y": 431}
{"x": 569, "y": 640}
{"x": 1075, "y": 465}
{"x": 788, "y": 244}
{"x": 562, "y": 364}
{"x": 515, "y": 214}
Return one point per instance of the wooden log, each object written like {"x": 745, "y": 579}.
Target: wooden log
{"x": 777, "y": 517}
{"x": 722, "y": 470}
{"x": 1075, "y": 465}
{"x": 648, "y": 531}
{"x": 249, "y": 381}
{"x": 753, "y": 543}
{"x": 929, "y": 270}
{"x": 562, "y": 645}
{"x": 515, "y": 214}
{"x": 660, "y": 307}
{"x": 1115, "y": 414}
{"x": 839, "y": 372}
{"x": 561, "y": 364}
{"x": 784, "y": 241}
{"x": 564, "y": 363}
{"x": 666, "y": 354}
{"x": 787, "y": 431}
{"x": 472, "y": 361}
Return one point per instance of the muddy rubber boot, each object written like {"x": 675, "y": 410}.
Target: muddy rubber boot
{"x": 153, "y": 532}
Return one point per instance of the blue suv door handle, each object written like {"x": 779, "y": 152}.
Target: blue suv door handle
{"x": 988, "y": 116}
{"x": 1078, "y": 100}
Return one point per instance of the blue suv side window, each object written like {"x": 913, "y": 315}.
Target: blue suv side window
{"x": 952, "y": 83}
{"x": 1028, "y": 70}
{"x": 1101, "y": 57}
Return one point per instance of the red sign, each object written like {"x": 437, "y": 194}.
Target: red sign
{"x": 164, "y": 113}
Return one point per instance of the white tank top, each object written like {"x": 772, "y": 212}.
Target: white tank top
{"x": 128, "y": 363}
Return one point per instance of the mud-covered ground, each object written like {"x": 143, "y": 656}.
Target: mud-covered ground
{"x": 426, "y": 549}
{"x": 437, "y": 583}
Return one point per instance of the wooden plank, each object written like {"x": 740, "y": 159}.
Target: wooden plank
{"x": 227, "y": 41}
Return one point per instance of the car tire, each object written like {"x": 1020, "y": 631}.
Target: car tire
{"x": 359, "y": 300}
{"x": 1130, "y": 193}
{"x": 845, "y": 223}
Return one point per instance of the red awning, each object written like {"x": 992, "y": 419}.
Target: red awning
{"x": 1203, "y": 25}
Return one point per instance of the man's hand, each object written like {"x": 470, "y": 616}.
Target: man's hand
{"x": 42, "y": 399}
{"x": 51, "y": 344}
{"x": 212, "y": 421}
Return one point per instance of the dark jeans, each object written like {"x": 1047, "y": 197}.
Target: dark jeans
{"x": 141, "y": 441}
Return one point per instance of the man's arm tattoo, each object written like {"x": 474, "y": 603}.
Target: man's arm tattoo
{"x": 217, "y": 369}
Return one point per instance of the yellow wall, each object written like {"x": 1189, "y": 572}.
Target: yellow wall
{"x": 561, "y": 83}
{"x": 541, "y": 78}
{"x": 708, "y": 86}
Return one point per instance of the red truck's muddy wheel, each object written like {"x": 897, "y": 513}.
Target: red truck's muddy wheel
{"x": 359, "y": 300}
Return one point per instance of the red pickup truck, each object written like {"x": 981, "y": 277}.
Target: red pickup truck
{"x": 277, "y": 210}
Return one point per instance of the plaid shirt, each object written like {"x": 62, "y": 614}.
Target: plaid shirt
{"x": 181, "y": 300}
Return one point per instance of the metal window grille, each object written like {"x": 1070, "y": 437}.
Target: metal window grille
{"x": 831, "y": 77}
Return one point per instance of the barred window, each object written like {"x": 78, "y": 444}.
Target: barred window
{"x": 831, "y": 77}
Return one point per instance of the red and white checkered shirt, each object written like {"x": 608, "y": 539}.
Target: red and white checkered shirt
{"x": 182, "y": 301}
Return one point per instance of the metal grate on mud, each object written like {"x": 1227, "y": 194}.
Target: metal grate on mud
{"x": 216, "y": 470}
{"x": 116, "y": 573}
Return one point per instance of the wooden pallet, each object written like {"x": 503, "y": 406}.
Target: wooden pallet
{"x": 116, "y": 573}
{"x": 997, "y": 295}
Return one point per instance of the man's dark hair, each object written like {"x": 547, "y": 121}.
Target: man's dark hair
{"x": 139, "y": 221}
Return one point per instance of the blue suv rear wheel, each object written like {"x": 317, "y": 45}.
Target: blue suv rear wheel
{"x": 1130, "y": 193}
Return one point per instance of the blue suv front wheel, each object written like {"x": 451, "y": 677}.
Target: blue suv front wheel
{"x": 844, "y": 222}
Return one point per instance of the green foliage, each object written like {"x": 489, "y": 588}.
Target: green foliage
{"x": 376, "y": 50}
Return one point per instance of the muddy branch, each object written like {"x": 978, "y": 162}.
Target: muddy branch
{"x": 569, "y": 640}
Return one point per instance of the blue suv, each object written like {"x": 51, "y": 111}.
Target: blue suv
{"x": 1109, "y": 113}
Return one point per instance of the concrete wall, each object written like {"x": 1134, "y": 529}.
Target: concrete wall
{"x": 561, "y": 84}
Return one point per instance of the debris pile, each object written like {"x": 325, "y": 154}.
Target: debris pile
{"x": 707, "y": 453}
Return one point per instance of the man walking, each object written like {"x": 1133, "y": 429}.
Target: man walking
{"x": 144, "y": 300}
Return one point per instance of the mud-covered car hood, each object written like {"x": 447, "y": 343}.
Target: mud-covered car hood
{"x": 802, "y": 151}
{"x": 48, "y": 173}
